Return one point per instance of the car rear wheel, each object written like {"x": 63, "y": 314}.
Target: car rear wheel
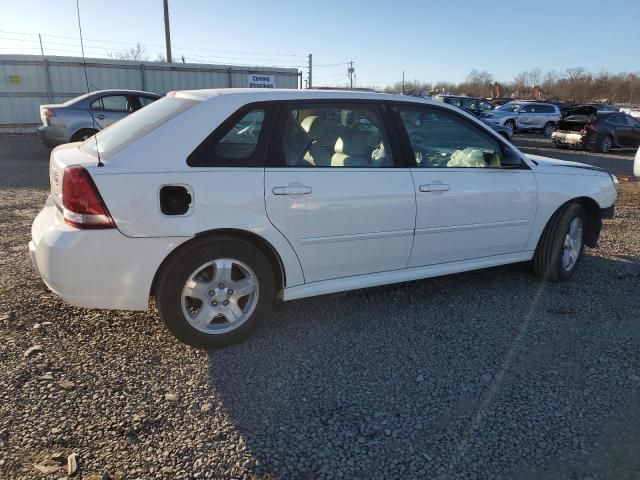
{"x": 549, "y": 129}
{"x": 82, "y": 135}
{"x": 511, "y": 124}
{"x": 605, "y": 144}
{"x": 215, "y": 292}
{"x": 561, "y": 245}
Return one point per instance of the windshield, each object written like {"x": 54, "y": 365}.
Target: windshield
{"x": 135, "y": 126}
{"x": 510, "y": 107}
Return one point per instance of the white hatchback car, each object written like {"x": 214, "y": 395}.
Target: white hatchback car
{"x": 217, "y": 202}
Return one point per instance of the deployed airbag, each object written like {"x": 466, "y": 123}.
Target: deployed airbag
{"x": 469, "y": 157}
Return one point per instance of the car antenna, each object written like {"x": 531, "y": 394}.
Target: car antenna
{"x": 86, "y": 78}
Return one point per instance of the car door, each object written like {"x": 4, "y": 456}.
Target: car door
{"x": 468, "y": 206}
{"x": 630, "y": 135}
{"x": 526, "y": 117}
{"x": 337, "y": 190}
{"x": 110, "y": 108}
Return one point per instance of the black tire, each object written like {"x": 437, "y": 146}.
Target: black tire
{"x": 547, "y": 259}
{"x": 176, "y": 272}
{"x": 83, "y": 134}
{"x": 548, "y": 129}
{"x": 605, "y": 144}
{"x": 560, "y": 146}
{"x": 511, "y": 124}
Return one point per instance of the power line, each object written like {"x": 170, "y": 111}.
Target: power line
{"x": 89, "y": 40}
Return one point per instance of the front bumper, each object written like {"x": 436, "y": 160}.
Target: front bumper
{"x": 95, "y": 268}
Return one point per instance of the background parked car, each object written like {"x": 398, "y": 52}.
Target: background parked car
{"x": 636, "y": 165}
{"x": 71, "y": 121}
{"x": 526, "y": 115}
{"x": 475, "y": 105}
{"x": 503, "y": 130}
{"x": 585, "y": 127}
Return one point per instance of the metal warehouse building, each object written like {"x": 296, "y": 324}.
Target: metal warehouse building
{"x": 27, "y": 81}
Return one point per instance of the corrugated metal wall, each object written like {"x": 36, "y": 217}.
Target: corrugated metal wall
{"x": 27, "y": 81}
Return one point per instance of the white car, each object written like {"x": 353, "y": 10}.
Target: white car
{"x": 527, "y": 115}
{"x": 636, "y": 165}
{"x": 218, "y": 202}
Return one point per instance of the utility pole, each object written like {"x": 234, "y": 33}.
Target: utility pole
{"x": 167, "y": 34}
{"x": 403, "y": 82}
{"x": 310, "y": 83}
{"x": 351, "y": 75}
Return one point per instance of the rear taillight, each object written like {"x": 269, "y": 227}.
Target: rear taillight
{"x": 83, "y": 205}
{"x": 47, "y": 112}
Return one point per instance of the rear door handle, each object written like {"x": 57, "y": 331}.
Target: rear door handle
{"x": 292, "y": 190}
{"x": 434, "y": 187}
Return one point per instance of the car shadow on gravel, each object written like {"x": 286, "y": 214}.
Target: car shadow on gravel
{"x": 491, "y": 372}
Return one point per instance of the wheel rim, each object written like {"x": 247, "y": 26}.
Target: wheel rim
{"x": 219, "y": 296}
{"x": 572, "y": 244}
{"x": 606, "y": 144}
{"x": 548, "y": 130}
{"x": 511, "y": 124}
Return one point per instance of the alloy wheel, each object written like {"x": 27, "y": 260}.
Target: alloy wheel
{"x": 219, "y": 296}
{"x": 572, "y": 244}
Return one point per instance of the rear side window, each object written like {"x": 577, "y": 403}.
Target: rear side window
{"x": 336, "y": 135}
{"x": 133, "y": 127}
{"x": 241, "y": 141}
{"x": 545, "y": 109}
{"x": 112, "y": 103}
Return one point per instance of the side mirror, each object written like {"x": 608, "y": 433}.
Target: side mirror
{"x": 510, "y": 158}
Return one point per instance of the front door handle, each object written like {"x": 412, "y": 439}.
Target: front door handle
{"x": 100, "y": 116}
{"x": 434, "y": 187}
{"x": 292, "y": 190}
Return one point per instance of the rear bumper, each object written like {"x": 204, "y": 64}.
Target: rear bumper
{"x": 569, "y": 139}
{"x": 52, "y": 136}
{"x": 95, "y": 268}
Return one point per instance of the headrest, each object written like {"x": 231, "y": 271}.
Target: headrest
{"x": 352, "y": 143}
{"x": 314, "y": 126}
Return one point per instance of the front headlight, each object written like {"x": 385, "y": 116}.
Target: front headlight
{"x": 615, "y": 181}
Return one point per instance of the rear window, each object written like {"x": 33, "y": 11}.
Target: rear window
{"x": 133, "y": 127}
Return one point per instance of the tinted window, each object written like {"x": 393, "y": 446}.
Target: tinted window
{"x": 442, "y": 139}
{"x": 618, "y": 120}
{"x": 545, "y": 109}
{"x": 335, "y": 136}
{"x": 242, "y": 139}
{"x": 144, "y": 101}
{"x": 484, "y": 105}
{"x": 456, "y": 102}
{"x": 469, "y": 103}
{"x": 529, "y": 109}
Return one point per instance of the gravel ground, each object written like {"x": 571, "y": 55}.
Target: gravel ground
{"x": 485, "y": 375}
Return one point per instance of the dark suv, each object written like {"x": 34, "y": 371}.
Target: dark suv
{"x": 475, "y": 105}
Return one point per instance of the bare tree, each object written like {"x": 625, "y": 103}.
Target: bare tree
{"x": 130, "y": 53}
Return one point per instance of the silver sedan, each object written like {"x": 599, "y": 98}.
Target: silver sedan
{"x": 71, "y": 121}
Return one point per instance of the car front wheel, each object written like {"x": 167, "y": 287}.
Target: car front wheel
{"x": 561, "y": 245}
{"x": 215, "y": 292}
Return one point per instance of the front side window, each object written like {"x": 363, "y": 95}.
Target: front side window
{"x": 441, "y": 139}
{"x": 335, "y": 136}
